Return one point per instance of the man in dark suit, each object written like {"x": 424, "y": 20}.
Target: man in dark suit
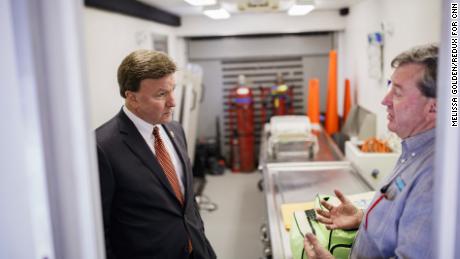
{"x": 145, "y": 173}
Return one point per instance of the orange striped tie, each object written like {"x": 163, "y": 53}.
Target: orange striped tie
{"x": 168, "y": 167}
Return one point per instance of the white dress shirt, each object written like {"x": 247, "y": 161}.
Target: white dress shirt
{"x": 146, "y": 131}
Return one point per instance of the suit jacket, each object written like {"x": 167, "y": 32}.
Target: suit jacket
{"x": 142, "y": 216}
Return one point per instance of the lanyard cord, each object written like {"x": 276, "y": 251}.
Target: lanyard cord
{"x": 371, "y": 208}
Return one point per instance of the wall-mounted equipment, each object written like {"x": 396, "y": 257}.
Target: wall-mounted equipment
{"x": 258, "y": 5}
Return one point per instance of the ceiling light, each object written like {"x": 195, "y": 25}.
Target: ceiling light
{"x": 301, "y": 7}
{"x": 216, "y": 12}
{"x": 201, "y": 2}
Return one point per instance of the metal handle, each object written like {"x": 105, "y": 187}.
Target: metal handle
{"x": 203, "y": 89}
{"x": 194, "y": 100}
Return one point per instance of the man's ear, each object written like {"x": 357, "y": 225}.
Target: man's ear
{"x": 433, "y": 106}
{"x": 130, "y": 99}
{"x": 432, "y": 109}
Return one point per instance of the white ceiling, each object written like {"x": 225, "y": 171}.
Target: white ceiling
{"x": 181, "y": 8}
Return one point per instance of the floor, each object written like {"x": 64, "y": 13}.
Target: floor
{"x": 234, "y": 228}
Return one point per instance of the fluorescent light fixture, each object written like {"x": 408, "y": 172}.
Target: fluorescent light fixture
{"x": 201, "y": 2}
{"x": 216, "y": 13}
{"x": 301, "y": 8}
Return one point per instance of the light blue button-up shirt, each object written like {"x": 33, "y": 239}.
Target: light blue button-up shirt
{"x": 401, "y": 228}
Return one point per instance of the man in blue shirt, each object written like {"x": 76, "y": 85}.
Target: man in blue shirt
{"x": 398, "y": 223}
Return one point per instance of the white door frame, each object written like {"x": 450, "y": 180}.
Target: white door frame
{"x": 49, "y": 198}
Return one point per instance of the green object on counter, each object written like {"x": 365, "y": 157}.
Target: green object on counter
{"x": 337, "y": 241}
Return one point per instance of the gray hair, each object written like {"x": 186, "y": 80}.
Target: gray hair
{"x": 426, "y": 55}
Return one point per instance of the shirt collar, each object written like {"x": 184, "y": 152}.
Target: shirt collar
{"x": 145, "y": 128}
{"x": 415, "y": 142}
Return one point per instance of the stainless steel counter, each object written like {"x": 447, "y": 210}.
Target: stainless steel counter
{"x": 300, "y": 181}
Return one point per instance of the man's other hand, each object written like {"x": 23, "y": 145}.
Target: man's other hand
{"x": 314, "y": 250}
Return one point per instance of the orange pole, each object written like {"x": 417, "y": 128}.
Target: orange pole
{"x": 313, "y": 100}
{"x": 347, "y": 100}
{"x": 332, "y": 117}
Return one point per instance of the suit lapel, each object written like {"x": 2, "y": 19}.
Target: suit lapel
{"x": 133, "y": 139}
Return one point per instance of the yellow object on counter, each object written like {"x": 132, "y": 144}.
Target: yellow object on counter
{"x": 288, "y": 209}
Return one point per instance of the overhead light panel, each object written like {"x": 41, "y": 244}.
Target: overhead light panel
{"x": 301, "y": 7}
{"x": 216, "y": 12}
{"x": 201, "y": 2}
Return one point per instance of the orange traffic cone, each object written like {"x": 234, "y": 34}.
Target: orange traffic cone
{"x": 313, "y": 101}
{"x": 347, "y": 100}
{"x": 332, "y": 118}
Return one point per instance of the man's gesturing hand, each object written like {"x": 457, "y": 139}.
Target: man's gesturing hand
{"x": 344, "y": 216}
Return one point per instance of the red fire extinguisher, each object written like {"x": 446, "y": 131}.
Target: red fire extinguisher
{"x": 243, "y": 136}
